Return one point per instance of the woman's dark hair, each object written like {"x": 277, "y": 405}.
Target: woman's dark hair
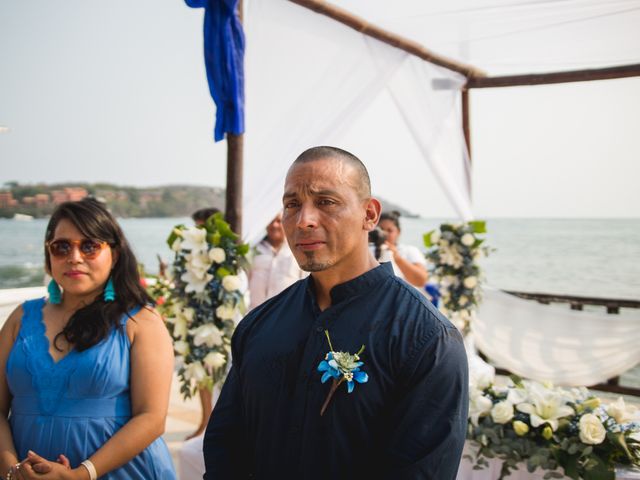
{"x": 203, "y": 214}
{"x": 393, "y": 216}
{"x": 92, "y": 323}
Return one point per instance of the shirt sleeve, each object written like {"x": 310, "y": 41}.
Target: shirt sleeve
{"x": 412, "y": 254}
{"x": 223, "y": 439}
{"x": 429, "y": 419}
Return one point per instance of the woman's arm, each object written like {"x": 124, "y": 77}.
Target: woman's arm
{"x": 415, "y": 273}
{"x": 8, "y": 334}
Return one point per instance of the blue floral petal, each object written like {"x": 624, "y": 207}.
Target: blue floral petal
{"x": 330, "y": 356}
{"x": 360, "y": 376}
{"x": 333, "y": 363}
{"x": 323, "y": 366}
{"x": 350, "y": 386}
{"x": 358, "y": 364}
{"x": 326, "y": 376}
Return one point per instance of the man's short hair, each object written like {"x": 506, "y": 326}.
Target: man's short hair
{"x": 312, "y": 154}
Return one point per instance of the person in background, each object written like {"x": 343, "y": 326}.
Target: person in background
{"x": 407, "y": 261}
{"x": 85, "y": 373}
{"x": 274, "y": 267}
{"x": 199, "y": 217}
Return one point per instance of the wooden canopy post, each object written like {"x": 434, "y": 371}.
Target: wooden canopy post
{"x": 233, "y": 194}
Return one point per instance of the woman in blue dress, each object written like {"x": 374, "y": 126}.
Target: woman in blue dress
{"x": 85, "y": 374}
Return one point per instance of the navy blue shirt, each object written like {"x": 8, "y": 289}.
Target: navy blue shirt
{"x": 408, "y": 421}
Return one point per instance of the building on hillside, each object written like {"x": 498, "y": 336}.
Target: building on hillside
{"x": 7, "y": 200}
{"x": 68, "y": 194}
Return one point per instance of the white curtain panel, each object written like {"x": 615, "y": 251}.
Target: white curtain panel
{"x": 554, "y": 343}
{"x": 308, "y": 78}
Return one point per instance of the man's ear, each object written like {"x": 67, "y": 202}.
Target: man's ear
{"x": 372, "y": 214}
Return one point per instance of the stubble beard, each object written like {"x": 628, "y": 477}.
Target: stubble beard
{"x": 312, "y": 265}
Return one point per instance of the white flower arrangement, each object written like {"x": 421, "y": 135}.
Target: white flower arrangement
{"x": 453, "y": 251}
{"x": 555, "y": 429}
{"x": 204, "y": 299}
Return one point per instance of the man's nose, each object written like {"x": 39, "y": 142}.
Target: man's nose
{"x": 307, "y": 216}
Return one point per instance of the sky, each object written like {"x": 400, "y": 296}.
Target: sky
{"x": 116, "y": 92}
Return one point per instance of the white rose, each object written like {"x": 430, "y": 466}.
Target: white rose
{"x": 214, "y": 360}
{"x": 195, "y": 283}
{"x": 468, "y": 239}
{"x": 435, "y": 237}
{"x": 225, "y": 312}
{"x": 181, "y": 347}
{"x": 208, "y": 334}
{"x": 231, "y": 283}
{"x": 470, "y": 282}
{"x": 195, "y": 371}
{"x": 592, "y": 431}
{"x": 217, "y": 255}
{"x": 502, "y": 412}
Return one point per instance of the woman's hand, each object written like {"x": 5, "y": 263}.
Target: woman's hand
{"x": 36, "y": 467}
{"x": 392, "y": 247}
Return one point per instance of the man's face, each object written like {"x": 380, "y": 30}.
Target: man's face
{"x": 324, "y": 217}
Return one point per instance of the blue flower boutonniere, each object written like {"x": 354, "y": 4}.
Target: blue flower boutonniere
{"x": 341, "y": 367}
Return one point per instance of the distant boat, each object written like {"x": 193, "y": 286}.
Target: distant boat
{"x": 22, "y": 217}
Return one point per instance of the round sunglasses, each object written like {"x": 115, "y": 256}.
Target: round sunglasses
{"x": 88, "y": 248}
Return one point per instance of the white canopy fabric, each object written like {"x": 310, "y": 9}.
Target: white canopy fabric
{"x": 504, "y": 37}
{"x": 554, "y": 343}
{"x": 308, "y": 77}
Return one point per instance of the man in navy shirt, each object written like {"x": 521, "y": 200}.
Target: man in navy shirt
{"x": 405, "y": 419}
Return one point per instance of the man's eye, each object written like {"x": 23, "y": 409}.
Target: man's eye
{"x": 291, "y": 205}
{"x": 326, "y": 201}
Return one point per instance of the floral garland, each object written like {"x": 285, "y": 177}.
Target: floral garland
{"x": 550, "y": 428}
{"x": 204, "y": 298}
{"x": 453, "y": 252}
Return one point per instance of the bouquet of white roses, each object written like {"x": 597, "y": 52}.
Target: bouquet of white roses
{"x": 453, "y": 251}
{"x": 204, "y": 299}
{"x": 551, "y": 428}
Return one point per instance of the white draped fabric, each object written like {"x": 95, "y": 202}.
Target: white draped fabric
{"x": 308, "y": 78}
{"x": 554, "y": 343}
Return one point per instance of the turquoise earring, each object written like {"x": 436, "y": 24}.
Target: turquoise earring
{"x": 55, "y": 295}
{"x": 109, "y": 291}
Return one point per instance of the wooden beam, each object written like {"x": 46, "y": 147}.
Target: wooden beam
{"x": 555, "y": 77}
{"x": 361, "y": 25}
{"x": 466, "y": 121}
{"x": 233, "y": 196}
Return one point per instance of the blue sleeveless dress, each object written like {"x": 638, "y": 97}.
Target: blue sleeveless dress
{"x": 75, "y": 405}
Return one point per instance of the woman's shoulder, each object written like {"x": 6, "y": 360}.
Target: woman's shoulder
{"x": 20, "y": 314}
{"x": 145, "y": 321}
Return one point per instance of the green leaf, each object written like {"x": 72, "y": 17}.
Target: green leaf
{"x": 599, "y": 470}
{"x": 427, "y": 239}
{"x": 478, "y": 226}
{"x": 619, "y": 440}
{"x": 243, "y": 249}
{"x": 214, "y": 238}
{"x": 222, "y": 272}
{"x": 173, "y": 235}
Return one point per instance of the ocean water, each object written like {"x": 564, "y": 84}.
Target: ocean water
{"x": 588, "y": 257}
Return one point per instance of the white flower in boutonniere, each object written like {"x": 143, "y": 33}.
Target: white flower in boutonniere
{"x": 341, "y": 367}
{"x": 231, "y": 283}
{"x": 207, "y": 334}
{"x": 194, "y": 239}
{"x": 479, "y": 405}
{"x": 217, "y": 255}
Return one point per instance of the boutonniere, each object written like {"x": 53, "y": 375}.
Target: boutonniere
{"x": 341, "y": 367}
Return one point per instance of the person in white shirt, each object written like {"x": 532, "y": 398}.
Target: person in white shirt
{"x": 273, "y": 267}
{"x": 407, "y": 261}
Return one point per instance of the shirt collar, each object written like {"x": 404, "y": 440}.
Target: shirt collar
{"x": 356, "y": 286}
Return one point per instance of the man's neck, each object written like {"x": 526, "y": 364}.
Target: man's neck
{"x": 325, "y": 280}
